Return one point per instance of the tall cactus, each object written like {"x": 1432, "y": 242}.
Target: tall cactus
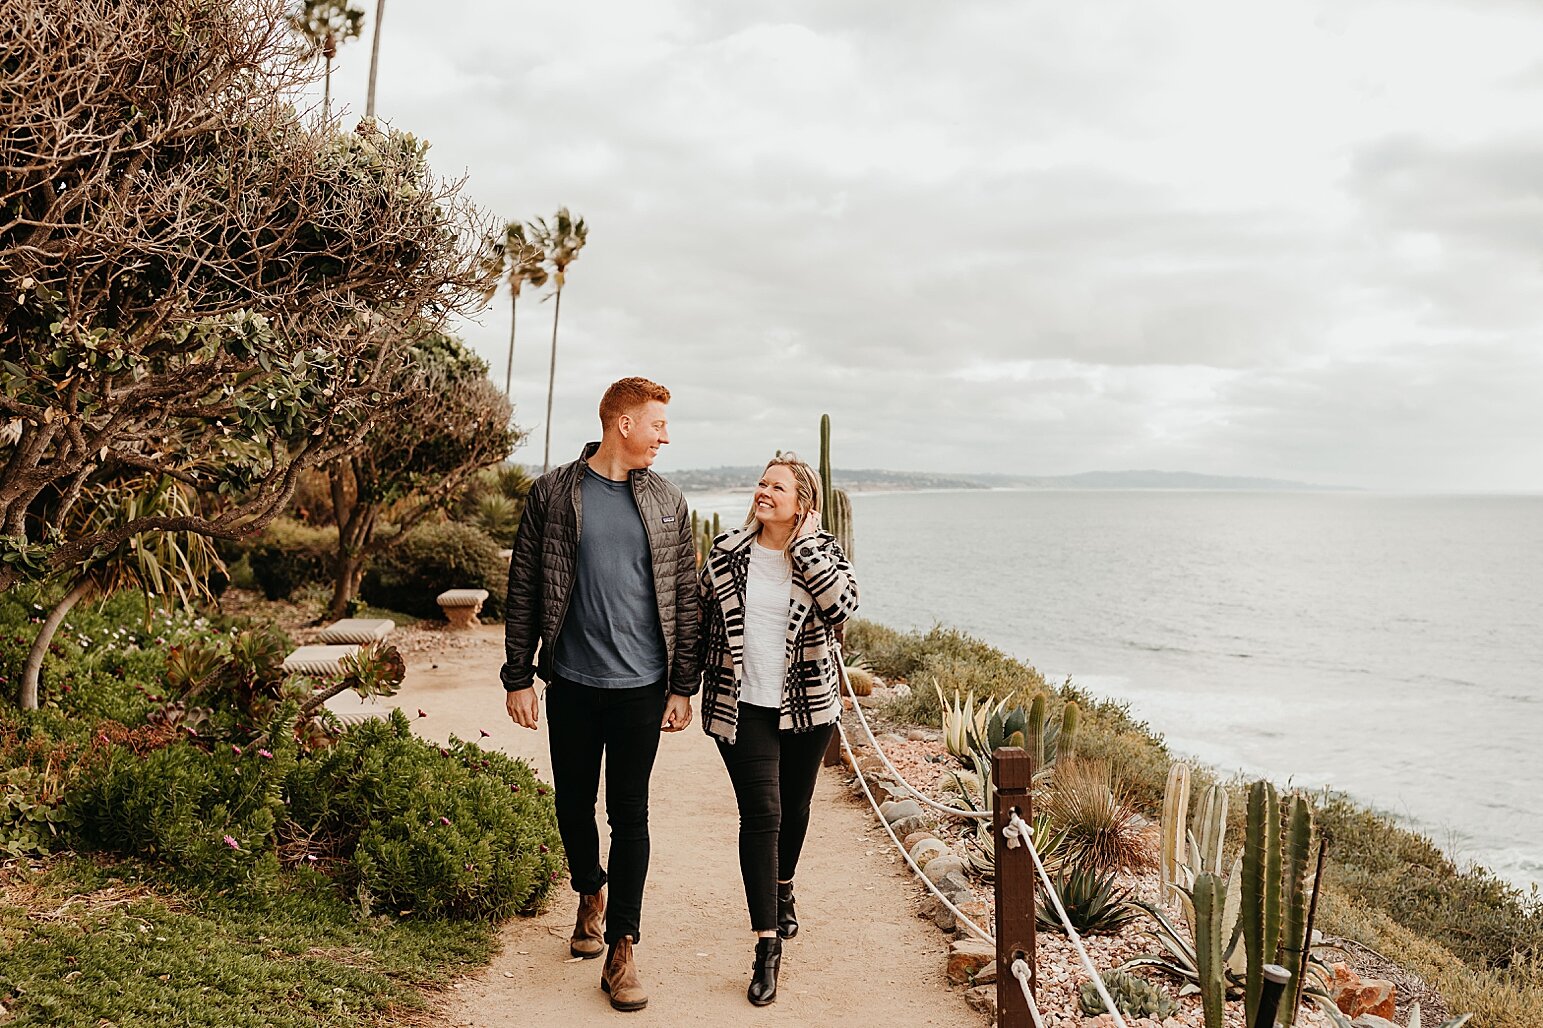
{"x": 827, "y": 500}
{"x": 1037, "y": 728}
{"x": 1211, "y": 823}
{"x": 841, "y": 520}
{"x": 1175, "y": 828}
{"x": 835, "y": 505}
{"x": 1294, "y": 941}
{"x": 1209, "y": 943}
{"x": 1261, "y": 913}
{"x": 1066, "y": 741}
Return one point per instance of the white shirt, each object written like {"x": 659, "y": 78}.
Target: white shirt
{"x": 767, "y": 593}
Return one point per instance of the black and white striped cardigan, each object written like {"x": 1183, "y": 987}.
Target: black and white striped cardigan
{"x": 824, "y": 595}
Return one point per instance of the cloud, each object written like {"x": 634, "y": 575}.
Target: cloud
{"x": 1297, "y": 240}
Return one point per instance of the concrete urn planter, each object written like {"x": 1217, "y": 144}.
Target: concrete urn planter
{"x": 461, "y": 606}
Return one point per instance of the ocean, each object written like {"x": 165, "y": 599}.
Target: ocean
{"x": 1387, "y": 646}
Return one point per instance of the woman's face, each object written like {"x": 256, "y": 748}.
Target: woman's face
{"x": 776, "y": 497}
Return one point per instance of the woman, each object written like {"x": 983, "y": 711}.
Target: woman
{"x": 773, "y": 593}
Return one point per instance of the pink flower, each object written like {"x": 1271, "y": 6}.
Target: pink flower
{"x": 422, "y": 712}
{"x": 444, "y": 820}
{"x": 484, "y": 733}
{"x": 265, "y": 754}
{"x": 235, "y": 749}
{"x": 232, "y": 843}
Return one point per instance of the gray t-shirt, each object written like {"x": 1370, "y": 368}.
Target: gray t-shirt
{"x": 610, "y": 637}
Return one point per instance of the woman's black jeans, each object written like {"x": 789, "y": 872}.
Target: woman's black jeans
{"x": 582, "y": 723}
{"x": 773, "y": 774}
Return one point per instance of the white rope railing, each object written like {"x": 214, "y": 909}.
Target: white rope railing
{"x": 1021, "y": 972}
{"x": 899, "y": 778}
{"x": 959, "y": 915}
{"x": 1016, "y": 831}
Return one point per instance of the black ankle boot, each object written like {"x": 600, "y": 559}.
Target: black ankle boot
{"x": 763, "y": 977}
{"x": 787, "y": 915}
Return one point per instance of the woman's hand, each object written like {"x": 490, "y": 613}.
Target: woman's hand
{"x": 808, "y": 525}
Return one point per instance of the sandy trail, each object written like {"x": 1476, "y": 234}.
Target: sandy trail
{"x": 863, "y": 956}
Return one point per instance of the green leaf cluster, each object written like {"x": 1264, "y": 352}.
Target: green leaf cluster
{"x": 429, "y": 831}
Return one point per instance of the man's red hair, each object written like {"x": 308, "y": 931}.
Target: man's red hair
{"x": 626, "y": 396}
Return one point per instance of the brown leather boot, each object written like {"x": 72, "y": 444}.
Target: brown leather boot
{"x": 588, "y": 935}
{"x": 620, "y": 977}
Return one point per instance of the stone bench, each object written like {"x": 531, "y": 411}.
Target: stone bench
{"x": 320, "y": 660}
{"x": 461, "y": 606}
{"x": 356, "y": 630}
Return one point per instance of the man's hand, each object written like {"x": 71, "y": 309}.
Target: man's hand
{"x": 524, "y": 709}
{"x": 677, "y": 713}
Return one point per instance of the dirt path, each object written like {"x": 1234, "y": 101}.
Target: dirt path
{"x": 863, "y": 956}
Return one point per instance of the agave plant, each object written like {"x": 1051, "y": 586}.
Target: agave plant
{"x": 1177, "y": 954}
{"x": 969, "y": 728}
{"x": 1095, "y": 904}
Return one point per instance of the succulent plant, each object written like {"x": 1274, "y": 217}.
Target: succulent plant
{"x": 1095, "y": 904}
{"x": 1133, "y": 995}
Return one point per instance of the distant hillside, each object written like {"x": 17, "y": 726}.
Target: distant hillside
{"x": 720, "y": 479}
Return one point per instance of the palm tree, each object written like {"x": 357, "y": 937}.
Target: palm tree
{"x": 324, "y": 24}
{"x": 369, "y": 100}
{"x": 562, "y": 240}
{"x": 516, "y": 259}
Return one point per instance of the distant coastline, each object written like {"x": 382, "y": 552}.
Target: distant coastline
{"x": 869, "y": 480}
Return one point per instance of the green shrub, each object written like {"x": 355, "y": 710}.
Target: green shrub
{"x": 431, "y": 559}
{"x": 288, "y": 555}
{"x": 209, "y": 817}
{"x": 1485, "y": 921}
{"x": 438, "y": 832}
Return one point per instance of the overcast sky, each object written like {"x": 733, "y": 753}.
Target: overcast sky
{"x": 1300, "y": 240}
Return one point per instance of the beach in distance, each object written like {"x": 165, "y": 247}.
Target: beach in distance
{"x": 1384, "y": 645}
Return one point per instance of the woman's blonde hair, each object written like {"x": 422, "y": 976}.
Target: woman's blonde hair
{"x": 806, "y": 483}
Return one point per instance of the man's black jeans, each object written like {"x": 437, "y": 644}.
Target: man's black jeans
{"x": 582, "y": 723}
{"x": 773, "y": 774}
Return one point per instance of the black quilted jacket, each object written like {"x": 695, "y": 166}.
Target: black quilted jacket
{"x": 541, "y": 573}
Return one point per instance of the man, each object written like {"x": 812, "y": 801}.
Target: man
{"x": 603, "y": 577}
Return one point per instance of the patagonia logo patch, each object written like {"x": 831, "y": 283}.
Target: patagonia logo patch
{"x": 668, "y": 519}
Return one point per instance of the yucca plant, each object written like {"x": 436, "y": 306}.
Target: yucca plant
{"x": 1095, "y": 903}
{"x": 1103, "y": 827}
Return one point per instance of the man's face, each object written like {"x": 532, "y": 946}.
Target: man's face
{"x": 643, "y": 432}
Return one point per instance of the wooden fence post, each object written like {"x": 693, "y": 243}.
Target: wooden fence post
{"x": 1012, "y": 773}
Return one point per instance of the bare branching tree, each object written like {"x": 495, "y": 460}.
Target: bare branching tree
{"x": 194, "y": 282}
{"x": 444, "y": 423}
